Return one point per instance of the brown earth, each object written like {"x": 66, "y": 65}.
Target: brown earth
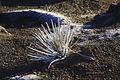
{"x": 13, "y": 49}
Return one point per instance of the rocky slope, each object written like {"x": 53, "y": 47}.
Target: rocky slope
{"x": 13, "y": 51}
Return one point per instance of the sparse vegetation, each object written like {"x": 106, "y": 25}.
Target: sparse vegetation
{"x": 14, "y": 54}
{"x": 56, "y": 42}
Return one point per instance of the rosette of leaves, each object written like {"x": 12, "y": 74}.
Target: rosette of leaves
{"x": 54, "y": 44}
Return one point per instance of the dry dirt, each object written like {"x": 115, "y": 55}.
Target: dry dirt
{"x": 13, "y": 49}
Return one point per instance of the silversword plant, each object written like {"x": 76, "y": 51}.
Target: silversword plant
{"x": 54, "y": 44}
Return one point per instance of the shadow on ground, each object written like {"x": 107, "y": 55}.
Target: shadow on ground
{"x": 36, "y": 67}
{"x": 39, "y": 66}
{"x": 21, "y": 70}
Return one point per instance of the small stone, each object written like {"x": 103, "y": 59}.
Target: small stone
{"x": 15, "y": 78}
{"x": 30, "y": 77}
{"x": 108, "y": 67}
{"x": 110, "y": 70}
{"x": 4, "y": 32}
{"x": 119, "y": 56}
{"x": 26, "y": 77}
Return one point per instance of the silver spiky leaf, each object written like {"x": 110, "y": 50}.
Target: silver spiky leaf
{"x": 53, "y": 44}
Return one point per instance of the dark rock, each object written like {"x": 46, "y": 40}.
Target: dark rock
{"x": 110, "y": 17}
{"x": 25, "y": 19}
{"x": 113, "y": 9}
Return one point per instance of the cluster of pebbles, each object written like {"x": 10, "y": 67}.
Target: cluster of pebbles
{"x": 82, "y": 34}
